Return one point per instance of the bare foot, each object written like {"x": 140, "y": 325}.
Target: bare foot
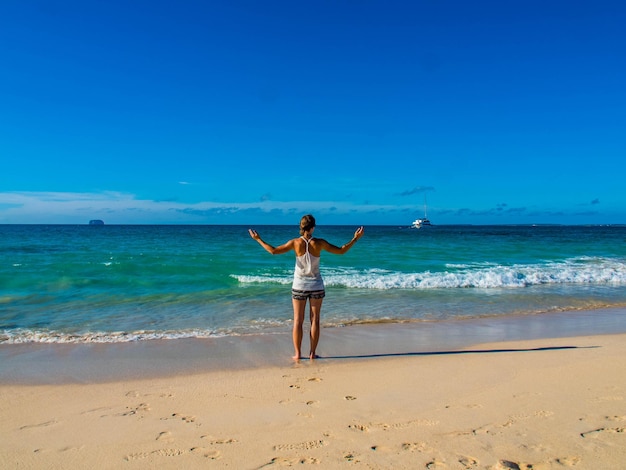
{"x": 295, "y": 358}
{"x": 313, "y": 356}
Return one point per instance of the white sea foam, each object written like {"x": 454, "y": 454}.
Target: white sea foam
{"x": 22, "y": 336}
{"x": 469, "y": 265}
{"x": 584, "y": 270}
{"x": 249, "y": 279}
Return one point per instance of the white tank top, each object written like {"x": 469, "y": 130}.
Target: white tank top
{"x": 307, "y": 275}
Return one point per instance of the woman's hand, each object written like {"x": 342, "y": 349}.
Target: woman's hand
{"x": 359, "y": 233}
{"x": 254, "y": 235}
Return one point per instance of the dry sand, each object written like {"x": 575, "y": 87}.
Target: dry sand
{"x": 537, "y": 404}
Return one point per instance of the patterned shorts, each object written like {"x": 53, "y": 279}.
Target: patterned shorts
{"x": 307, "y": 294}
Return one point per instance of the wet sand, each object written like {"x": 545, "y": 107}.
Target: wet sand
{"x": 84, "y": 363}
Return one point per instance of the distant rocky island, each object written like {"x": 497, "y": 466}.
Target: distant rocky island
{"x": 96, "y": 222}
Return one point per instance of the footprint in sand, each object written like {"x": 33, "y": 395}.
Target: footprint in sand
{"x": 487, "y": 429}
{"x": 165, "y": 436}
{"x": 568, "y": 461}
{"x": 135, "y": 410}
{"x": 186, "y": 419}
{"x": 136, "y": 456}
{"x": 537, "y": 414}
{"x": 406, "y": 424}
{"x": 434, "y": 464}
{"x": 358, "y": 427}
{"x": 169, "y": 452}
{"x": 350, "y": 398}
{"x": 468, "y": 462}
{"x": 416, "y": 447}
{"x": 507, "y": 465}
{"x": 381, "y": 449}
{"x": 308, "y": 445}
{"x": 208, "y": 453}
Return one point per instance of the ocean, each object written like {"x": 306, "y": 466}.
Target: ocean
{"x": 128, "y": 283}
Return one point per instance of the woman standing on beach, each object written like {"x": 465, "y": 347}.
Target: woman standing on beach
{"x": 307, "y": 280}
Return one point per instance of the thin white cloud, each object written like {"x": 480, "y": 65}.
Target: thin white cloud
{"x": 125, "y": 208}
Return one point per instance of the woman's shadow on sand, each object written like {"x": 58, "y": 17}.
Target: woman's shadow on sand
{"x": 460, "y": 352}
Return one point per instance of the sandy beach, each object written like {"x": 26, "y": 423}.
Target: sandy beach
{"x": 531, "y": 404}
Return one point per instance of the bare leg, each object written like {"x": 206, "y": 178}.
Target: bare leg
{"x": 298, "y": 320}
{"x": 315, "y": 306}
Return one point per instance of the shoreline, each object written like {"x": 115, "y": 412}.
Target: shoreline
{"x": 37, "y": 364}
{"x": 544, "y": 404}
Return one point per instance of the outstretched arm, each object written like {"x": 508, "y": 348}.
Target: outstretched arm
{"x": 340, "y": 250}
{"x": 279, "y": 250}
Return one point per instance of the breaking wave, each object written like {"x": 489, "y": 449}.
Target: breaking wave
{"x": 584, "y": 270}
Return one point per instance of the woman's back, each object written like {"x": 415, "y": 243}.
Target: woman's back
{"x": 314, "y": 246}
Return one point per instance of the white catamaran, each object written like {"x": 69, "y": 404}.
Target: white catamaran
{"x": 419, "y": 223}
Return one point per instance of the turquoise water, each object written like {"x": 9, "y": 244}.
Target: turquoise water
{"x": 126, "y": 283}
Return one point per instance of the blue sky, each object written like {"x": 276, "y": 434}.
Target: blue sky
{"x": 242, "y": 112}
